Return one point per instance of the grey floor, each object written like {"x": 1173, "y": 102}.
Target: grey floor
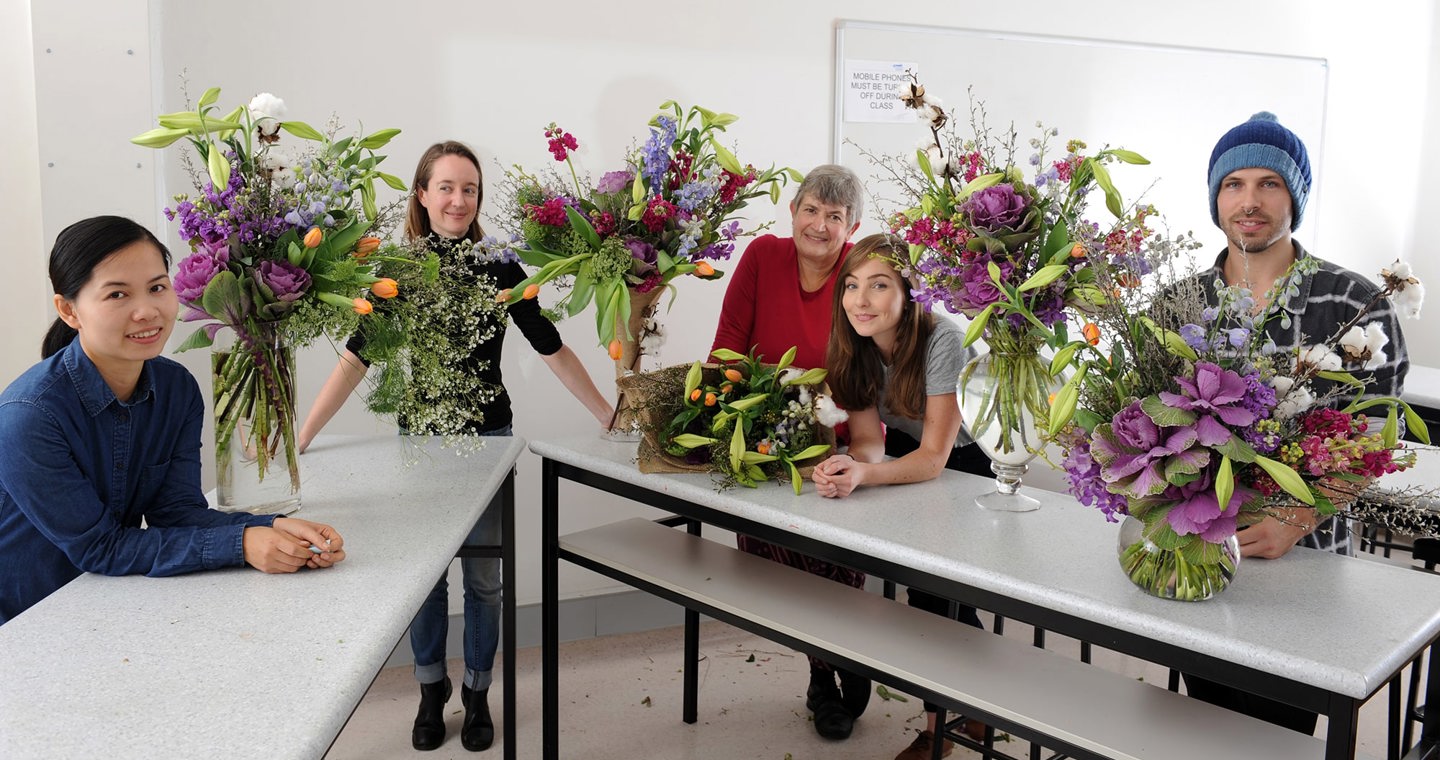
{"x": 620, "y": 698}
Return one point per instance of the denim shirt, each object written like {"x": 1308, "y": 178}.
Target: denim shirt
{"x": 79, "y": 468}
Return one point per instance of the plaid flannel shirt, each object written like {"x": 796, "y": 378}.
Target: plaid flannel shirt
{"x": 1328, "y": 299}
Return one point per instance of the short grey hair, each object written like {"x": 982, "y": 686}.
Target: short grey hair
{"x": 834, "y": 185}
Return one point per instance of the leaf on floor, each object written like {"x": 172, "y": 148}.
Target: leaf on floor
{"x": 751, "y": 658}
{"x": 885, "y": 693}
{"x": 645, "y": 701}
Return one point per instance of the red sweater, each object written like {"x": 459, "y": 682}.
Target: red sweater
{"x": 765, "y": 306}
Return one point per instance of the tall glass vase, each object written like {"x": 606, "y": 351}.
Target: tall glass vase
{"x": 1004, "y": 397}
{"x": 257, "y": 467}
{"x": 643, "y": 306}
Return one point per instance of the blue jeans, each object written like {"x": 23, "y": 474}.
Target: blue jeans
{"x": 482, "y": 583}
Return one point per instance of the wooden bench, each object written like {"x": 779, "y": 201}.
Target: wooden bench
{"x": 1039, "y": 695}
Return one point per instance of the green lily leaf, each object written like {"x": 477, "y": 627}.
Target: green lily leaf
{"x": 726, "y": 355}
{"x": 812, "y": 451}
{"x": 1045, "y": 276}
{"x": 787, "y": 359}
{"x": 690, "y": 440}
{"x": 1224, "y": 483}
{"x": 302, "y": 130}
{"x": 378, "y": 139}
{"x": 1287, "y": 478}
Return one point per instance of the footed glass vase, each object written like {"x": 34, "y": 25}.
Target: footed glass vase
{"x": 1004, "y": 400}
{"x": 1194, "y": 571}
{"x": 257, "y": 466}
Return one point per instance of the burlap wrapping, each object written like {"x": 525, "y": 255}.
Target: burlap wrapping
{"x": 656, "y": 397}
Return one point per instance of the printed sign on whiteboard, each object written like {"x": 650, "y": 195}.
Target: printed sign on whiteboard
{"x": 872, "y": 92}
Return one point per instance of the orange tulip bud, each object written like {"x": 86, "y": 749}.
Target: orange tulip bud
{"x": 1091, "y": 331}
{"x": 362, "y": 307}
{"x": 502, "y": 296}
{"x": 614, "y": 347}
{"x": 695, "y": 395}
{"x": 366, "y": 246}
{"x": 385, "y": 288}
{"x": 1052, "y": 399}
{"x": 762, "y": 448}
{"x": 733, "y": 375}
{"x": 710, "y": 399}
{"x": 1077, "y": 251}
{"x": 313, "y": 237}
{"x": 726, "y": 388}
{"x": 704, "y": 269}
{"x": 531, "y": 291}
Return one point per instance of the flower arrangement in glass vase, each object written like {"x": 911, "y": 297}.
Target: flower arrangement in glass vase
{"x": 747, "y": 420}
{"x": 1011, "y": 254}
{"x": 671, "y": 210}
{"x": 281, "y": 240}
{"x": 1187, "y": 418}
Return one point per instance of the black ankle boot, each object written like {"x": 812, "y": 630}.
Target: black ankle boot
{"x": 429, "y": 731}
{"x": 478, "y": 733}
{"x": 832, "y": 720}
{"x": 854, "y": 692}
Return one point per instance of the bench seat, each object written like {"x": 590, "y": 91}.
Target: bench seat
{"x": 1034, "y": 693}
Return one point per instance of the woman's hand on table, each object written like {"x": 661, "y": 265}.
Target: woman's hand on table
{"x": 837, "y": 476}
{"x": 319, "y": 535}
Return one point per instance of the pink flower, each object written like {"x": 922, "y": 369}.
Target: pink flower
{"x": 561, "y": 142}
{"x": 657, "y": 212}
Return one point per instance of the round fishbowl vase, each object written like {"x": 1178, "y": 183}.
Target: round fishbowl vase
{"x": 1198, "y": 571}
{"x": 1003, "y": 400}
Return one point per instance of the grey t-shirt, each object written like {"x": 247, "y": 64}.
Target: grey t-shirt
{"x": 944, "y": 358}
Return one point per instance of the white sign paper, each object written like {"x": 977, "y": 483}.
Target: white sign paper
{"x": 872, "y": 92}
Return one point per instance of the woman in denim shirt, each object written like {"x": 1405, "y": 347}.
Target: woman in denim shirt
{"x": 104, "y": 432}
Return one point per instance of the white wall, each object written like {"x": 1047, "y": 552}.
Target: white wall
{"x": 495, "y": 74}
{"x": 25, "y": 308}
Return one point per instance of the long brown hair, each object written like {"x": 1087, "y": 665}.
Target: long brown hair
{"x": 857, "y": 370}
{"x": 417, "y": 218}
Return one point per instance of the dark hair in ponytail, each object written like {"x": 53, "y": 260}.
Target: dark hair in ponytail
{"x": 80, "y": 248}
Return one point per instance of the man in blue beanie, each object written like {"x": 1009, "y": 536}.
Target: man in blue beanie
{"x": 1259, "y": 182}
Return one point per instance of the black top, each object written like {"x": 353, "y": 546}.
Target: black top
{"x": 485, "y": 359}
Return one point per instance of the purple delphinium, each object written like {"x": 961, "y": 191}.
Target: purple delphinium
{"x": 1086, "y": 485}
{"x": 655, "y": 154}
{"x": 995, "y": 208}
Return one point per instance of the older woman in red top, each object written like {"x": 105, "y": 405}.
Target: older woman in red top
{"x": 780, "y": 296}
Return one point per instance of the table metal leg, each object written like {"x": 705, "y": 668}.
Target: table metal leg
{"x": 691, "y": 707}
{"x": 550, "y": 610}
{"x": 507, "y": 613}
{"x": 1430, "y": 728}
{"x": 1344, "y": 724}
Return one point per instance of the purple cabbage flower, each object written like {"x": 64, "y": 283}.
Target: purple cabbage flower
{"x": 1216, "y": 394}
{"x": 614, "y": 182}
{"x": 1197, "y": 512}
{"x": 980, "y": 290}
{"x": 644, "y": 255}
{"x": 995, "y": 208}
{"x": 1135, "y": 454}
{"x": 193, "y": 273}
{"x": 285, "y": 281}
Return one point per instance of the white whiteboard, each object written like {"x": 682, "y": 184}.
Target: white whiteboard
{"x": 1169, "y": 104}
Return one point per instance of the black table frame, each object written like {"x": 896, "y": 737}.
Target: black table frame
{"x": 1341, "y": 710}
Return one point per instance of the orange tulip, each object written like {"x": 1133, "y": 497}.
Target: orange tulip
{"x": 710, "y": 399}
{"x": 695, "y": 395}
{"x": 531, "y": 291}
{"x": 313, "y": 237}
{"x": 1091, "y": 331}
{"x": 366, "y": 246}
{"x": 733, "y": 375}
{"x": 362, "y": 307}
{"x": 1077, "y": 251}
{"x": 502, "y": 296}
{"x": 762, "y": 448}
{"x": 385, "y": 288}
{"x": 704, "y": 269}
{"x": 726, "y": 388}
{"x": 614, "y": 348}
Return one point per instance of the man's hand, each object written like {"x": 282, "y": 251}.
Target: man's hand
{"x": 1274, "y": 538}
{"x": 319, "y": 535}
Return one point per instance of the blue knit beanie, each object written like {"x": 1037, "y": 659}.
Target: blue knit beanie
{"x": 1262, "y": 143}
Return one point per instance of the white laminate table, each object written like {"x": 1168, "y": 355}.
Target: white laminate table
{"x": 239, "y": 664}
{"x": 1317, "y": 630}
